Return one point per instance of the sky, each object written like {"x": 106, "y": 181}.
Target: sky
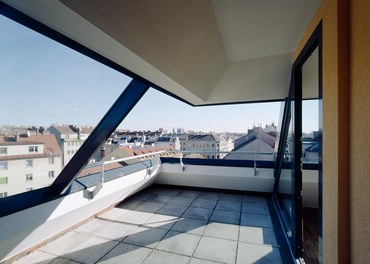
{"x": 44, "y": 83}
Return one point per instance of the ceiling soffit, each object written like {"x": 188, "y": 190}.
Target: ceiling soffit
{"x": 252, "y": 29}
{"x": 200, "y": 50}
{"x": 180, "y": 38}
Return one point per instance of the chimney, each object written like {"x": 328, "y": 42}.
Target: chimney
{"x": 102, "y": 153}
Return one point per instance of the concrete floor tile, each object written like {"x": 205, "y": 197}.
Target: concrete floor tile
{"x": 181, "y": 200}
{"x": 191, "y": 194}
{"x": 222, "y": 230}
{"x": 80, "y": 247}
{"x": 147, "y": 237}
{"x": 129, "y": 204}
{"x": 126, "y": 253}
{"x": 255, "y": 208}
{"x": 226, "y": 217}
{"x": 160, "y": 221}
{"x": 231, "y": 197}
{"x": 198, "y": 213}
{"x": 201, "y": 261}
{"x": 142, "y": 196}
{"x": 36, "y": 257}
{"x": 254, "y": 199}
{"x": 161, "y": 198}
{"x": 215, "y": 249}
{"x": 257, "y": 220}
{"x": 135, "y": 217}
{"x": 149, "y": 207}
{"x": 191, "y": 226}
{"x": 210, "y": 196}
{"x": 257, "y": 235}
{"x": 174, "y": 210}
{"x": 62, "y": 261}
{"x": 204, "y": 203}
{"x": 227, "y": 205}
{"x": 116, "y": 231}
{"x": 93, "y": 225}
{"x": 180, "y": 243}
{"x": 258, "y": 254}
{"x": 113, "y": 214}
{"x": 160, "y": 257}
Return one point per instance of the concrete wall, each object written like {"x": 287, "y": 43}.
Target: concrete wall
{"x": 346, "y": 79}
{"x": 359, "y": 131}
{"x": 233, "y": 178}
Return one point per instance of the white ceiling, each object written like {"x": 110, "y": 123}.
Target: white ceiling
{"x": 200, "y": 50}
{"x": 260, "y": 28}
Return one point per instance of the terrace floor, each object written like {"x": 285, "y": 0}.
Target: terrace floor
{"x": 168, "y": 225}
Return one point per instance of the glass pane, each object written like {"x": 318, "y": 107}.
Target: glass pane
{"x": 52, "y": 98}
{"x": 229, "y": 132}
{"x": 286, "y": 187}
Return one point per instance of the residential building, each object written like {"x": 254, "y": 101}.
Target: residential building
{"x": 211, "y": 143}
{"x": 70, "y": 138}
{"x": 256, "y": 145}
{"x": 28, "y": 162}
{"x": 168, "y": 141}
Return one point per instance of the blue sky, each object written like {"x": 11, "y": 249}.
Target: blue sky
{"x": 43, "y": 82}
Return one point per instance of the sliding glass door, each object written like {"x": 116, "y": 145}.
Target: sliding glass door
{"x": 289, "y": 162}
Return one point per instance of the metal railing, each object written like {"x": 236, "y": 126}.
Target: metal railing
{"x": 141, "y": 159}
{"x": 182, "y": 152}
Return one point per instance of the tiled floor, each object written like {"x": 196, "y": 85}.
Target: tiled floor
{"x": 166, "y": 225}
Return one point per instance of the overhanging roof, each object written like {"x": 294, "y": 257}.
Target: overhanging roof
{"x": 204, "y": 51}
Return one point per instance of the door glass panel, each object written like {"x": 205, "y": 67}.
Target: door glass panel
{"x": 286, "y": 189}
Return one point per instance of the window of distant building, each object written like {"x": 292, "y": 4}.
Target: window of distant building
{"x": 3, "y": 180}
{"x": 68, "y": 152}
{"x": 29, "y": 177}
{"x": 33, "y": 149}
{"x": 3, "y": 165}
{"x": 213, "y": 145}
{"x": 29, "y": 189}
{"x": 51, "y": 174}
{"x": 3, "y": 151}
{"x": 51, "y": 160}
{"x": 3, "y": 194}
{"x": 29, "y": 163}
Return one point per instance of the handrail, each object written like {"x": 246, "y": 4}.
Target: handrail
{"x": 224, "y": 152}
{"x": 91, "y": 194}
{"x": 182, "y": 152}
{"x": 96, "y": 164}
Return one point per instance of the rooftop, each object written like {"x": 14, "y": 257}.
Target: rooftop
{"x": 50, "y": 145}
{"x": 64, "y": 129}
{"x": 178, "y": 225}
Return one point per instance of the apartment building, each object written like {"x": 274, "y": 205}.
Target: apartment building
{"x": 28, "y": 162}
{"x": 208, "y": 143}
{"x": 70, "y": 138}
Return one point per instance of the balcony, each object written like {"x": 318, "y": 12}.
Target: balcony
{"x": 181, "y": 210}
{"x": 179, "y": 225}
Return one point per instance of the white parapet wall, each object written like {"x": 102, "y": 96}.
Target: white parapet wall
{"x": 220, "y": 177}
{"x": 238, "y": 178}
{"x": 23, "y": 230}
